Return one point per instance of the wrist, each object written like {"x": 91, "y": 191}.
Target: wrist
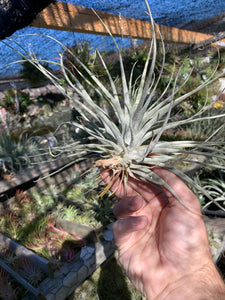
{"x": 203, "y": 284}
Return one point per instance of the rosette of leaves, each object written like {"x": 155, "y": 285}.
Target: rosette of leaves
{"x": 6, "y": 289}
{"x": 53, "y": 242}
{"x": 126, "y": 138}
{"x": 14, "y": 155}
{"x": 215, "y": 187}
{"x": 29, "y": 271}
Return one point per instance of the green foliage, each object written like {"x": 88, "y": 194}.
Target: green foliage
{"x": 41, "y": 233}
{"x": 85, "y": 53}
{"x": 13, "y": 155}
{"x": 42, "y": 202}
{"x": 103, "y": 210}
{"x": 31, "y": 74}
{"x": 82, "y": 50}
{"x": 200, "y": 130}
{"x": 9, "y": 101}
{"x": 30, "y": 230}
{"x": 11, "y": 226}
{"x": 96, "y": 211}
{"x": 214, "y": 56}
{"x": 131, "y": 57}
{"x": 52, "y": 242}
{"x": 198, "y": 69}
{"x": 69, "y": 213}
{"x": 76, "y": 193}
{"x": 213, "y": 181}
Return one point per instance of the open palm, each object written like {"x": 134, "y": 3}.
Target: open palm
{"x": 160, "y": 242}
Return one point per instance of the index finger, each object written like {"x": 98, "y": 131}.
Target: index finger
{"x": 133, "y": 188}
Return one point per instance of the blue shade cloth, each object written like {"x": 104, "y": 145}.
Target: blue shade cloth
{"x": 165, "y": 12}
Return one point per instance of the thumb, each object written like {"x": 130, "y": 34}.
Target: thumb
{"x": 123, "y": 228}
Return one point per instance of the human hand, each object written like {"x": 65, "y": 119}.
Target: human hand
{"x": 164, "y": 247}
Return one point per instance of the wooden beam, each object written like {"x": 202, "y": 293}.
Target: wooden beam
{"x": 217, "y": 37}
{"x": 68, "y": 17}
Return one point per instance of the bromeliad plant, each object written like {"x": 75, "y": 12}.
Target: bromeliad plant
{"x": 127, "y": 138}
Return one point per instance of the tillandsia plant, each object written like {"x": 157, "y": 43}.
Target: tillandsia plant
{"x": 215, "y": 187}
{"x": 6, "y": 289}
{"x": 53, "y": 242}
{"x": 127, "y": 137}
{"x": 29, "y": 270}
{"x": 13, "y": 155}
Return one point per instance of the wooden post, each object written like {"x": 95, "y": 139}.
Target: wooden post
{"x": 68, "y": 17}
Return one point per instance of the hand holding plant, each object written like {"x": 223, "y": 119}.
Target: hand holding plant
{"x": 163, "y": 246}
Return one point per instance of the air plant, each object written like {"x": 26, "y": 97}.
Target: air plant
{"x": 50, "y": 242}
{"x": 7, "y": 255}
{"x": 6, "y": 290}
{"x": 68, "y": 213}
{"x": 23, "y": 206}
{"x": 57, "y": 235}
{"x": 215, "y": 187}
{"x": 13, "y": 155}
{"x": 34, "y": 228}
{"x": 42, "y": 201}
{"x": 12, "y": 226}
{"x": 52, "y": 191}
{"x": 29, "y": 271}
{"x": 130, "y": 141}
{"x": 21, "y": 198}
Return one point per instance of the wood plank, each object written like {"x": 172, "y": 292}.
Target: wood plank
{"x": 32, "y": 173}
{"x": 68, "y": 17}
{"x": 22, "y": 252}
{"x": 35, "y": 292}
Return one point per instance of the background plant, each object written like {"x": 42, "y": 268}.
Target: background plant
{"x": 14, "y": 155}
{"x": 214, "y": 183}
{"x": 31, "y": 74}
{"x": 200, "y": 130}
{"x": 6, "y": 289}
{"x": 54, "y": 242}
{"x": 30, "y": 271}
{"x": 127, "y": 138}
{"x": 10, "y": 104}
